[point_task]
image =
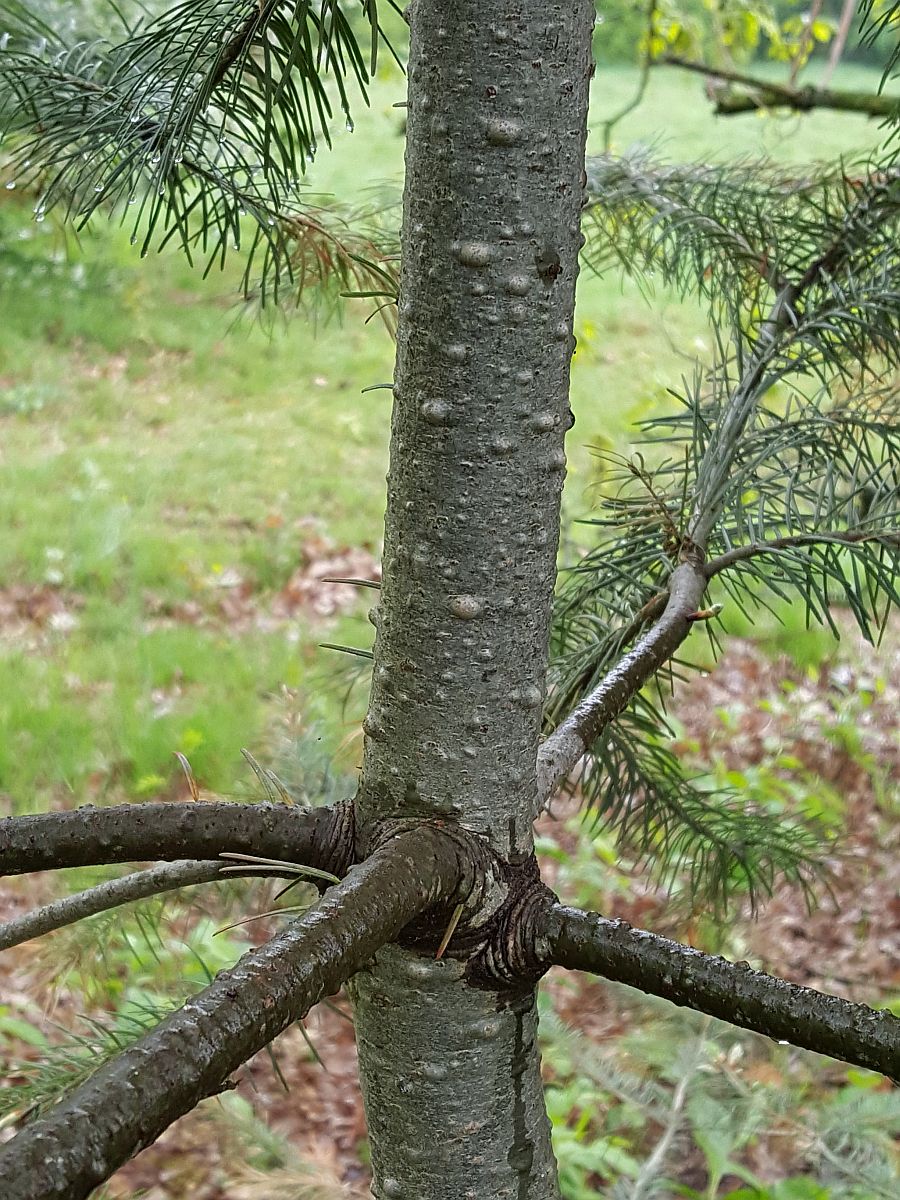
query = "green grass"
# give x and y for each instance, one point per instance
(154, 439)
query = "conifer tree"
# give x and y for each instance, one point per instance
(491, 687)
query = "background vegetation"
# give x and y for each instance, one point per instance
(178, 481)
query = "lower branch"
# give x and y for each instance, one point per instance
(165, 877)
(128, 1103)
(322, 837)
(730, 991)
(762, 93)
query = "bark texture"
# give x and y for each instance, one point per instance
(491, 233)
(481, 1074)
(490, 242)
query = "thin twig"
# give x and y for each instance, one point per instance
(805, 41)
(840, 42)
(643, 79)
(166, 877)
(837, 537)
(654, 1164)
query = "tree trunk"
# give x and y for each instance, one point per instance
(491, 234)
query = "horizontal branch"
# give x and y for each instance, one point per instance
(165, 877)
(321, 837)
(763, 93)
(732, 992)
(797, 541)
(567, 745)
(189, 1056)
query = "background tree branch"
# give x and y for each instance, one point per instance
(732, 992)
(763, 93)
(128, 1103)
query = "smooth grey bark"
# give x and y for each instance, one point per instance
(475, 1075)
(491, 234)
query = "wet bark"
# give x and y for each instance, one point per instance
(491, 234)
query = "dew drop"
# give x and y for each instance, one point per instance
(10, 185)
